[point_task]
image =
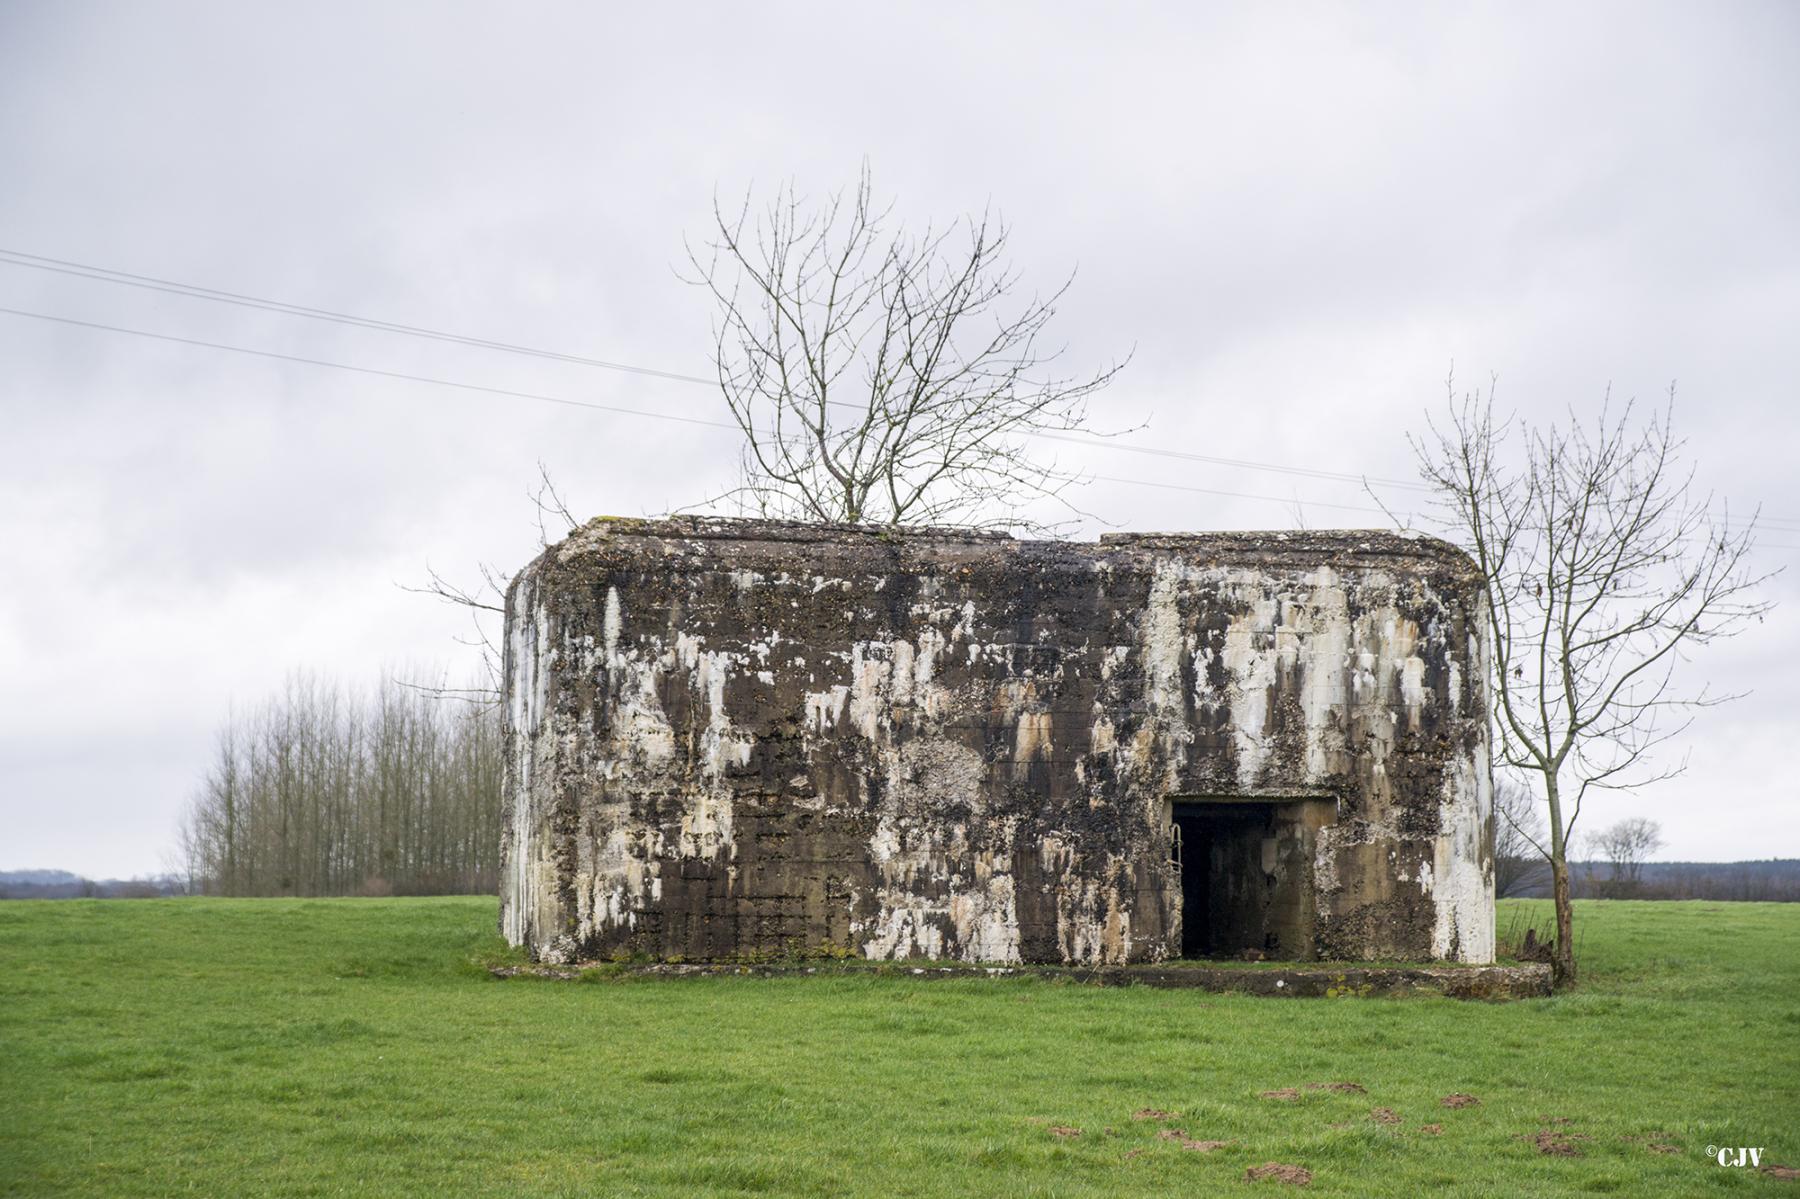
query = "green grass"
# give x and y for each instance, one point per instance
(334, 1047)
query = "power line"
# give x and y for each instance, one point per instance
(370, 370)
(216, 295)
(195, 291)
(613, 408)
(102, 274)
(1291, 501)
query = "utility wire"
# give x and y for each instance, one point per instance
(370, 370)
(193, 291)
(1291, 501)
(623, 411)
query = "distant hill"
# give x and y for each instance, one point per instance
(63, 884)
(42, 878)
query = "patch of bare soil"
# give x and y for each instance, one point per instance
(1276, 1172)
(1285, 1094)
(1662, 1147)
(1063, 1132)
(1784, 1173)
(1432, 1130)
(1154, 1113)
(1341, 1088)
(1180, 1137)
(1460, 1100)
(1384, 1115)
(1556, 1143)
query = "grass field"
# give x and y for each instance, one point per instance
(240, 1047)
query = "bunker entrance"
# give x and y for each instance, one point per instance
(1245, 868)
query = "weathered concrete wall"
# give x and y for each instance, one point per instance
(728, 738)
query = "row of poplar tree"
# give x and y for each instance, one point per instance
(328, 790)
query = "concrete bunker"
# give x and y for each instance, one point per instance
(731, 739)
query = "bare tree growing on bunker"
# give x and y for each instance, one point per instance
(885, 376)
(1604, 570)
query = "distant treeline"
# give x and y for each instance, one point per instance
(329, 791)
(1772, 880)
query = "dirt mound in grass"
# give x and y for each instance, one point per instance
(1154, 1113)
(1276, 1172)
(1553, 1142)
(1460, 1100)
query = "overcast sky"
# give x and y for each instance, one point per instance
(1299, 216)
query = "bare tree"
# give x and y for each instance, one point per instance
(1520, 859)
(1604, 569)
(881, 376)
(324, 790)
(1627, 845)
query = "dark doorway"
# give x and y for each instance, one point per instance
(1191, 852)
(1222, 880)
(1246, 874)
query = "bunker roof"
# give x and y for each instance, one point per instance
(1403, 550)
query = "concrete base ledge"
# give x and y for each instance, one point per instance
(1304, 981)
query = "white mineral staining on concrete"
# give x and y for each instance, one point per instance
(871, 688)
(986, 919)
(530, 877)
(612, 623)
(721, 745)
(905, 929)
(1163, 646)
(1464, 873)
(1249, 659)
(1092, 923)
(825, 708)
(1412, 688)
(915, 843)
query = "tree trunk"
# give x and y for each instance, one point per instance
(1562, 954)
